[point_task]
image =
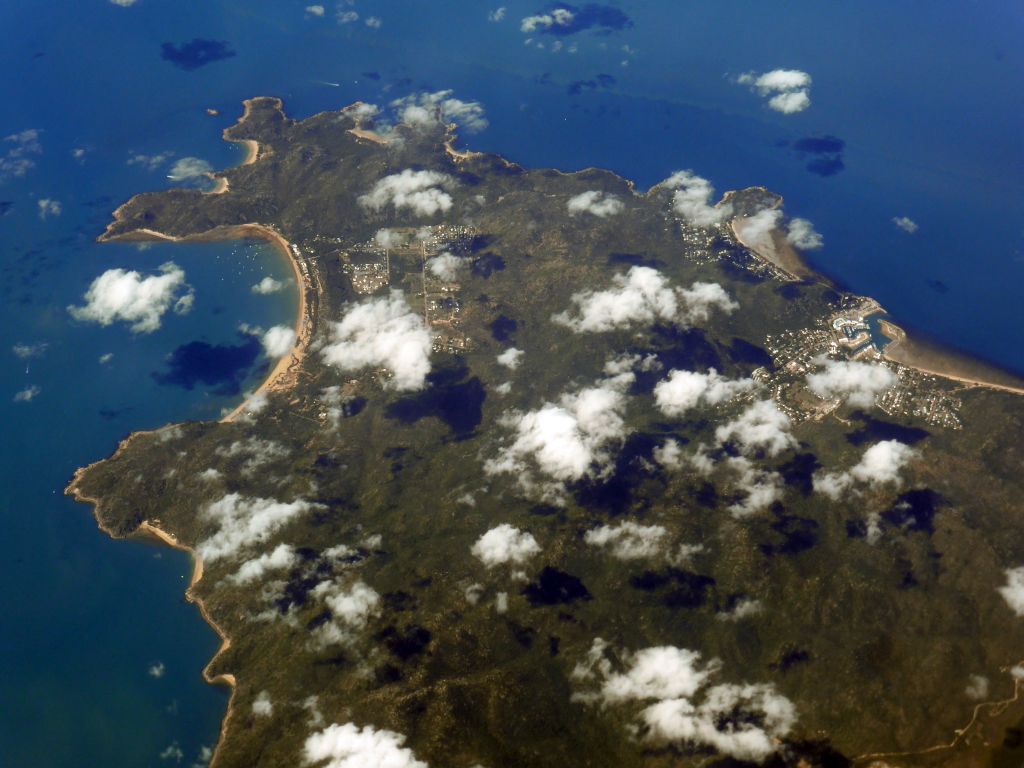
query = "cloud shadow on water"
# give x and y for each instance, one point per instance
(221, 366)
(196, 53)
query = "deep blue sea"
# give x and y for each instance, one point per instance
(915, 111)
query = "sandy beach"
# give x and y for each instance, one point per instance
(780, 254)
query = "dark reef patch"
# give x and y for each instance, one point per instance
(196, 53)
(450, 396)
(222, 366)
(555, 587)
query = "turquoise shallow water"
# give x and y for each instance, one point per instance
(922, 97)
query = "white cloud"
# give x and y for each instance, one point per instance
(156, 669)
(124, 295)
(106, 357)
(348, 746)
(565, 441)
(498, 14)
(757, 230)
(283, 556)
(351, 606)
(124, 3)
(48, 207)
(669, 454)
(744, 721)
(267, 285)
(262, 706)
(387, 238)
(596, 203)
(188, 168)
(880, 465)
(789, 89)
(683, 390)
(559, 17)
(28, 351)
(17, 161)
(977, 687)
(315, 10)
(692, 199)
(629, 540)
(503, 545)
(905, 223)
(149, 162)
(744, 608)
(511, 357)
(243, 522)
(643, 295)
(279, 340)
(802, 235)
(762, 426)
(173, 750)
(856, 382)
(383, 332)
(1013, 591)
(374, 22)
(347, 17)
(761, 488)
(429, 110)
(446, 266)
(422, 192)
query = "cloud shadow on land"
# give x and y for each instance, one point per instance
(221, 366)
(450, 396)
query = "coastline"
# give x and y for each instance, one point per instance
(146, 529)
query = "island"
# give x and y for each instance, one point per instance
(562, 473)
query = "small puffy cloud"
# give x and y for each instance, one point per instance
(351, 606)
(761, 427)
(743, 721)
(149, 162)
(802, 235)
(629, 540)
(498, 14)
(374, 22)
(347, 17)
(564, 441)
(279, 340)
(789, 89)
(257, 452)
(430, 110)
(858, 383)
(446, 266)
(387, 238)
(19, 157)
(262, 706)
(422, 192)
(880, 465)
(243, 522)
(1013, 591)
(744, 608)
(596, 203)
(511, 357)
(757, 230)
(106, 357)
(348, 746)
(505, 545)
(189, 168)
(977, 687)
(315, 10)
(559, 17)
(683, 390)
(28, 351)
(124, 3)
(382, 332)
(127, 296)
(905, 223)
(643, 296)
(156, 669)
(267, 285)
(692, 199)
(283, 556)
(173, 750)
(48, 207)
(669, 454)
(760, 488)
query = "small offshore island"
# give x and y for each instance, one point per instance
(562, 474)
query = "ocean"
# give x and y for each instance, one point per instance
(915, 112)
